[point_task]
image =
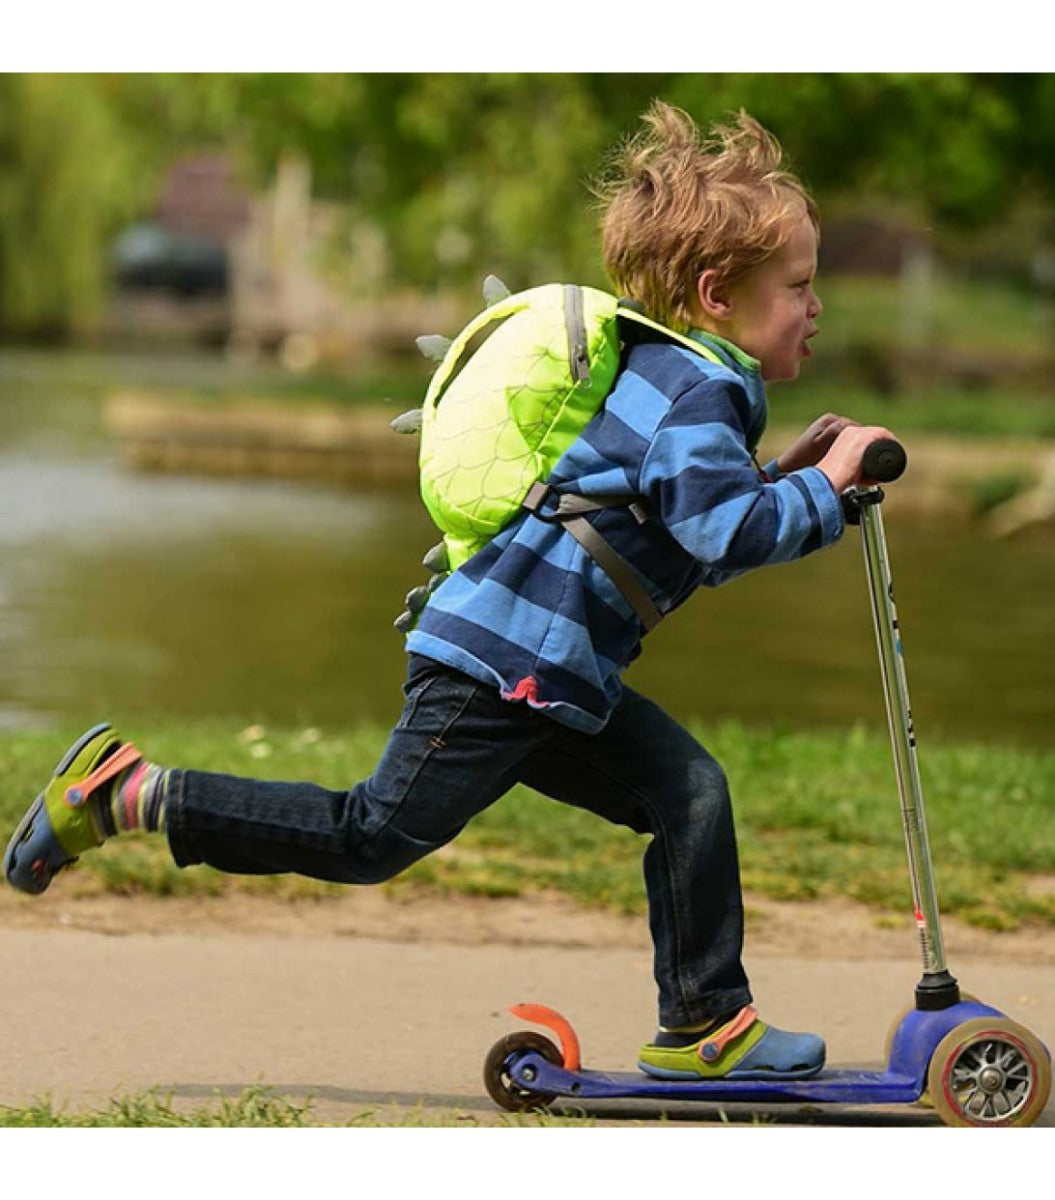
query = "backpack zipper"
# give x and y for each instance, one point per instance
(575, 328)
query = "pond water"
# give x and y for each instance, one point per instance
(124, 594)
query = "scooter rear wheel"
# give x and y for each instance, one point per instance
(498, 1078)
(989, 1072)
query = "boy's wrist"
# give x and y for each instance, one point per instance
(827, 498)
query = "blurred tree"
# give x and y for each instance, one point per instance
(500, 166)
(469, 173)
(943, 145)
(67, 180)
(464, 173)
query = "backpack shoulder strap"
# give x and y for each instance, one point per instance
(571, 513)
(636, 327)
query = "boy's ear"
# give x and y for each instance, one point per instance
(712, 293)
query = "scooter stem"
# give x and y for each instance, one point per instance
(937, 989)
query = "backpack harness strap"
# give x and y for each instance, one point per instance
(570, 512)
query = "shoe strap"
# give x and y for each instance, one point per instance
(711, 1047)
(122, 758)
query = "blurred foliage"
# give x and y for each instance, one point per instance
(68, 176)
(470, 173)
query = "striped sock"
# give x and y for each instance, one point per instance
(136, 801)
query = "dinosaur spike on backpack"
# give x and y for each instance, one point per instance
(437, 560)
(408, 422)
(433, 345)
(494, 290)
(405, 621)
(416, 598)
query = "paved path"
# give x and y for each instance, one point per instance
(364, 1024)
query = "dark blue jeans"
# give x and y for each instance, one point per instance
(456, 749)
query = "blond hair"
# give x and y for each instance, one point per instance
(675, 204)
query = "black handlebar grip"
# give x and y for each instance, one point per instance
(884, 460)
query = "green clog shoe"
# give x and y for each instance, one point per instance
(60, 825)
(743, 1048)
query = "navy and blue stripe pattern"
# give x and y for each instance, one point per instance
(534, 615)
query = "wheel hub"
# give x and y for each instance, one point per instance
(992, 1080)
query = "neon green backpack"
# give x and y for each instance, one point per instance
(511, 393)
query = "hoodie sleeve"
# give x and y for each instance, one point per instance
(702, 481)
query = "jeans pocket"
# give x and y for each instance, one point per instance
(414, 691)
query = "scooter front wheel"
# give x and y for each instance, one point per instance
(498, 1079)
(989, 1072)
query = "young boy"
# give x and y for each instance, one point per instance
(515, 663)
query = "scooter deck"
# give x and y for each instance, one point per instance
(535, 1073)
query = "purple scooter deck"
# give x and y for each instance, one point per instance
(835, 1086)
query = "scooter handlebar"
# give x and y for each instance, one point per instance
(884, 460)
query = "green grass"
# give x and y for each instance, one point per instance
(90, 375)
(257, 1107)
(817, 817)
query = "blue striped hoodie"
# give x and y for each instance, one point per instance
(534, 615)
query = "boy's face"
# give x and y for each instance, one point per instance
(771, 312)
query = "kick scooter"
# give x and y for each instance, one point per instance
(978, 1066)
